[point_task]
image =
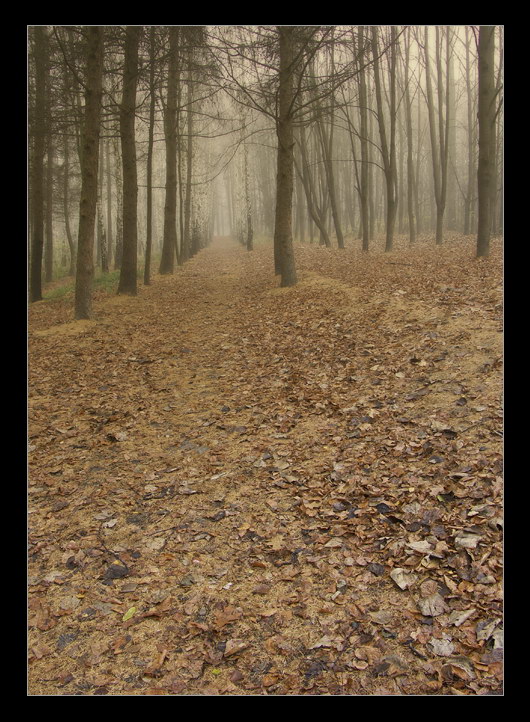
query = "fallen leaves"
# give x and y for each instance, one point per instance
(298, 491)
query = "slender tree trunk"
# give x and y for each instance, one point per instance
(326, 142)
(388, 152)
(37, 169)
(48, 256)
(283, 238)
(248, 201)
(417, 175)
(102, 234)
(439, 147)
(118, 172)
(410, 156)
(109, 206)
(66, 205)
(497, 154)
(308, 183)
(451, 144)
(486, 120)
(469, 197)
(150, 144)
(170, 132)
(363, 112)
(129, 264)
(186, 241)
(89, 174)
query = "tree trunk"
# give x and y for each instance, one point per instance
(410, 158)
(102, 234)
(66, 204)
(167, 260)
(486, 120)
(388, 152)
(48, 256)
(118, 172)
(89, 174)
(37, 169)
(308, 183)
(248, 201)
(109, 205)
(283, 239)
(439, 146)
(363, 111)
(129, 262)
(150, 144)
(186, 241)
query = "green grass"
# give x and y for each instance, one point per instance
(103, 281)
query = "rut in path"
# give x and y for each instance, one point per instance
(240, 464)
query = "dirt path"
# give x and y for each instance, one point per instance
(224, 475)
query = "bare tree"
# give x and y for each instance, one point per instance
(37, 166)
(486, 121)
(169, 243)
(89, 173)
(283, 236)
(150, 144)
(411, 179)
(439, 135)
(388, 145)
(129, 262)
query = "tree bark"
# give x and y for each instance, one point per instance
(439, 145)
(102, 233)
(248, 202)
(66, 205)
(118, 171)
(150, 144)
(486, 120)
(37, 169)
(89, 174)
(308, 183)
(48, 256)
(388, 151)
(410, 157)
(109, 205)
(283, 238)
(167, 260)
(363, 111)
(186, 240)
(129, 263)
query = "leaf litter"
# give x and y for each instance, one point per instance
(236, 489)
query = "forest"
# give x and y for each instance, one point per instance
(265, 343)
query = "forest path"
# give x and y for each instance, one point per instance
(224, 474)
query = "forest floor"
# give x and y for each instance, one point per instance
(239, 489)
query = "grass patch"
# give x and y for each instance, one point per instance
(107, 282)
(59, 292)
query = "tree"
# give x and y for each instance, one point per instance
(326, 139)
(37, 166)
(129, 261)
(388, 147)
(169, 243)
(439, 136)
(363, 111)
(470, 193)
(486, 121)
(150, 144)
(89, 173)
(283, 236)
(411, 180)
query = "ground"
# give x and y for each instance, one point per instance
(239, 489)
